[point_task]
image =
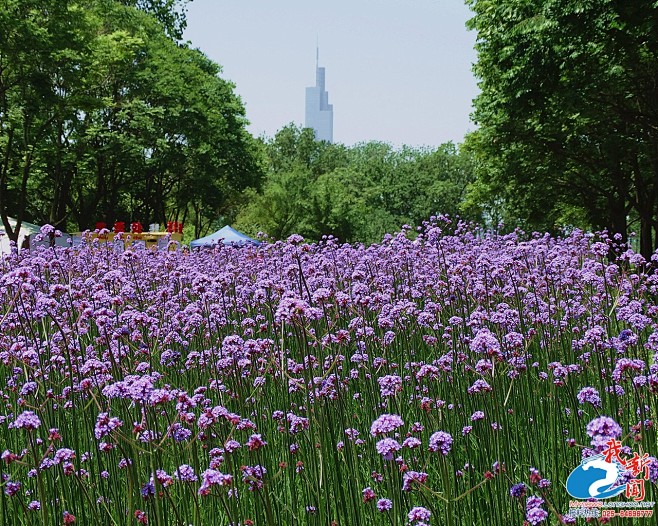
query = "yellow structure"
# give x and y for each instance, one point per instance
(150, 239)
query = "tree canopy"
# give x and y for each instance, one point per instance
(568, 112)
(105, 116)
(355, 193)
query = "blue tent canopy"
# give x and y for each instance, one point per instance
(225, 235)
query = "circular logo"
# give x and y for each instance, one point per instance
(595, 478)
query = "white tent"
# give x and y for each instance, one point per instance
(225, 235)
(27, 230)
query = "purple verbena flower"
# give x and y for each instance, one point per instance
(441, 442)
(385, 424)
(413, 478)
(419, 514)
(26, 420)
(602, 429)
(479, 386)
(389, 385)
(536, 515)
(411, 442)
(105, 425)
(589, 395)
(387, 446)
(185, 473)
(478, 415)
(518, 490)
(212, 477)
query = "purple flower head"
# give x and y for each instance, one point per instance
(440, 441)
(351, 433)
(180, 433)
(413, 478)
(384, 505)
(626, 364)
(11, 488)
(105, 425)
(46, 230)
(417, 427)
(589, 395)
(485, 342)
(478, 415)
(625, 335)
(602, 429)
(255, 442)
(534, 502)
(185, 473)
(411, 442)
(389, 385)
(385, 424)
(148, 490)
(26, 420)
(253, 476)
(368, 494)
(297, 423)
(387, 446)
(544, 484)
(212, 477)
(63, 454)
(232, 445)
(295, 239)
(536, 515)
(163, 477)
(291, 309)
(29, 388)
(653, 470)
(419, 514)
(479, 386)
(518, 490)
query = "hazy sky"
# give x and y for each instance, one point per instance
(397, 70)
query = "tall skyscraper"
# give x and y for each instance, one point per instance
(319, 113)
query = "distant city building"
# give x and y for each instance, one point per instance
(319, 113)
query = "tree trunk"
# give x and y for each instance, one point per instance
(4, 174)
(646, 235)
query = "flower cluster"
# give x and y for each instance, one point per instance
(302, 382)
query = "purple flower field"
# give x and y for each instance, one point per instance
(454, 379)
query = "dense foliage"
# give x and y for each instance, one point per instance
(104, 117)
(356, 193)
(568, 112)
(458, 377)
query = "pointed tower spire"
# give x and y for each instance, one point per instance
(319, 113)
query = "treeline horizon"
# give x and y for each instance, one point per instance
(106, 115)
(354, 193)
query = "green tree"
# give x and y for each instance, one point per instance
(38, 44)
(169, 13)
(288, 200)
(355, 194)
(103, 116)
(280, 207)
(568, 111)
